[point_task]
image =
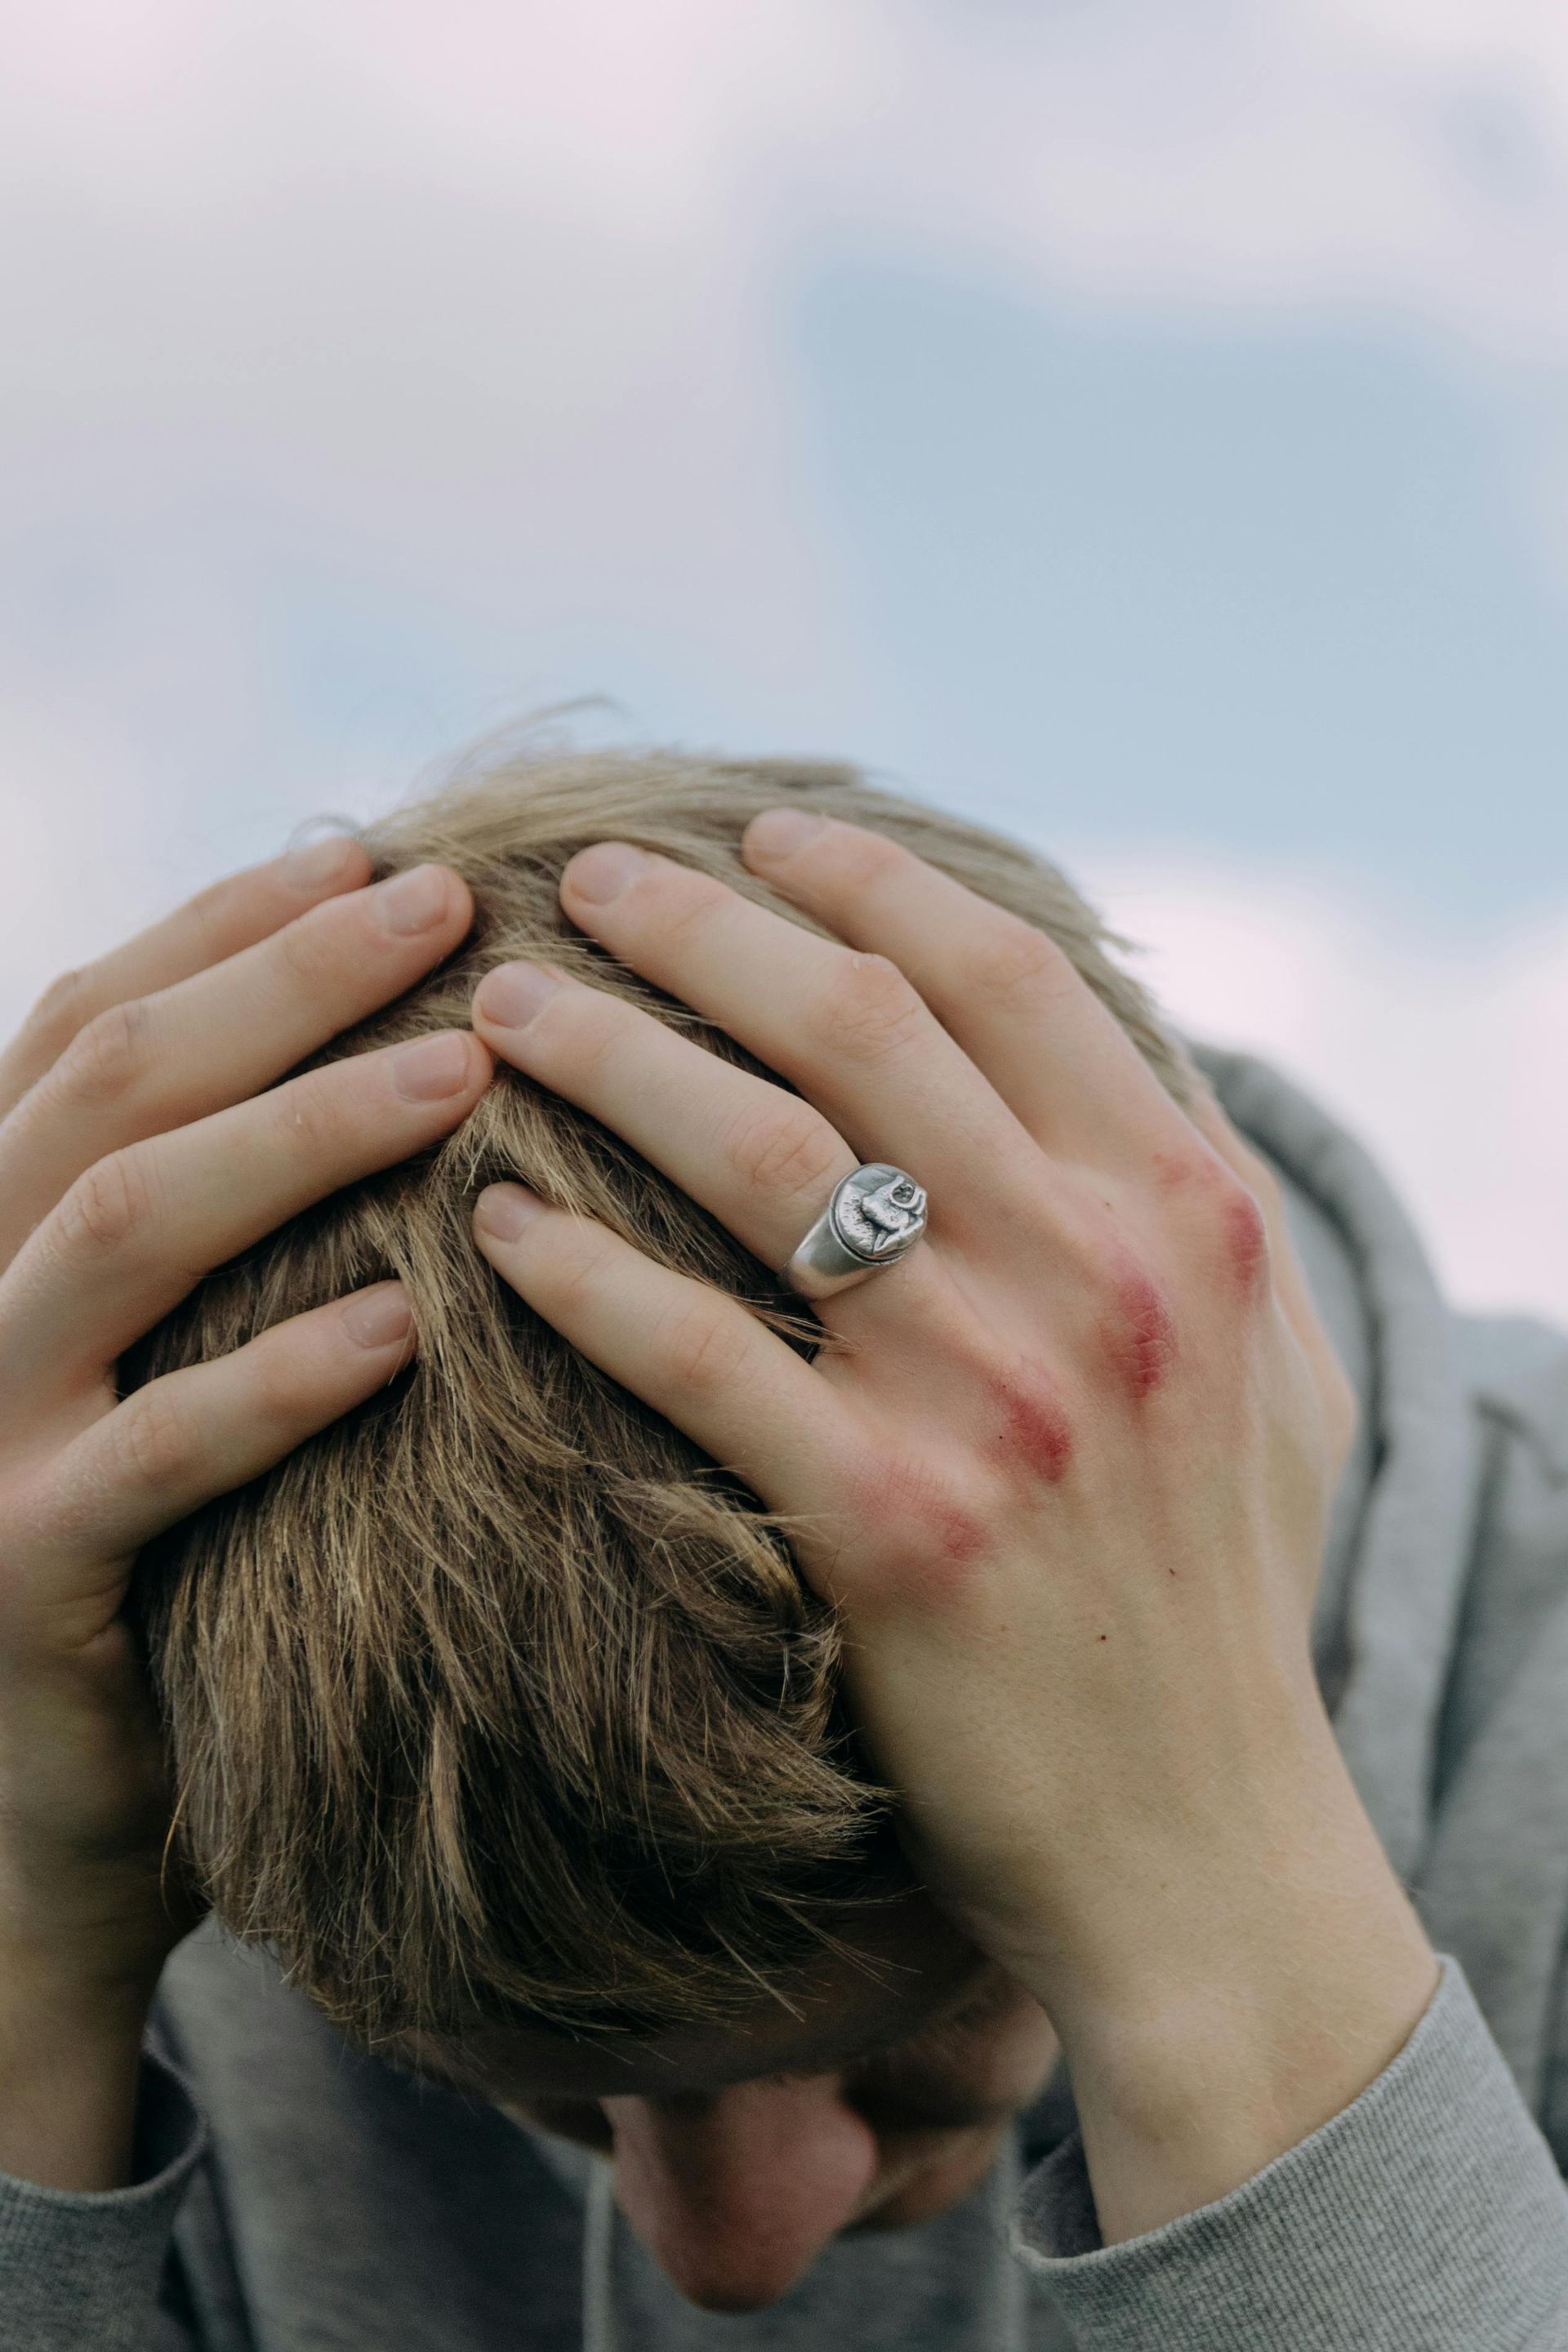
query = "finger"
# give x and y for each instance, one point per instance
(200, 1433)
(154, 1062)
(848, 1030)
(1009, 994)
(232, 915)
(692, 1353)
(761, 1159)
(136, 1233)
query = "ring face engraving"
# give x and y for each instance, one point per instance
(878, 1212)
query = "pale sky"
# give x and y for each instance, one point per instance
(1143, 426)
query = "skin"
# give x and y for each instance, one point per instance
(133, 1156)
(1066, 1483)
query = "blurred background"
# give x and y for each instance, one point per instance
(1143, 426)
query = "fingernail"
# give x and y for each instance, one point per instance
(603, 872)
(433, 1067)
(513, 994)
(379, 1318)
(504, 1210)
(414, 901)
(779, 832)
(316, 862)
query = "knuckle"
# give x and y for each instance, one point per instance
(314, 948)
(1011, 960)
(863, 859)
(108, 1056)
(686, 901)
(701, 1348)
(1211, 1199)
(1139, 1333)
(868, 1009)
(587, 1037)
(1182, 1173)
(159, 1441)
(275, 1379)
(211, 913)
(64, 1007)
(785, 1150)
(577, 1263)
(309, 1114)
(1243, 1233)
(1231, 1196)
(212, 900)
(933, 1523)
(108, 1207)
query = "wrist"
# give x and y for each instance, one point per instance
(1253, 1997)
(1176, 2117)
(71, 2066)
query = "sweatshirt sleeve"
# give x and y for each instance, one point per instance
(1428, 2216)
(80, 2271)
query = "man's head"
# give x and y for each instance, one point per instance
(496, 1710)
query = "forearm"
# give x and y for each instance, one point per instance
(1265, 1989)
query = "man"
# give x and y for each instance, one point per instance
(498, 1624)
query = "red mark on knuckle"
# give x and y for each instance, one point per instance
(1245, 1241)
(1035, 1434)
(933, 1559)
(1139, 1337)
(927, 1541)
(960, 1535)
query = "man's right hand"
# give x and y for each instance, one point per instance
(143, 1142)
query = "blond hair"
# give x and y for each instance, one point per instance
(497, 1701)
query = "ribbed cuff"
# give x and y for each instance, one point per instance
(79, 2269)
(1428, 2216)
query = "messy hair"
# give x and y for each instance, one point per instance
(498, 1701)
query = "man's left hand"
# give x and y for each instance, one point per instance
(1064, 1470)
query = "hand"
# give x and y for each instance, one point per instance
(1065, 1474)
(138, 1150)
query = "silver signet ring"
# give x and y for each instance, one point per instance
(876, 1216)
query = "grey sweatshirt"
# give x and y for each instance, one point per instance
(292, 2196)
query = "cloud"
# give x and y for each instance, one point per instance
(390, 278)
(1326, 151)
(471, 323)
(1416, 151)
